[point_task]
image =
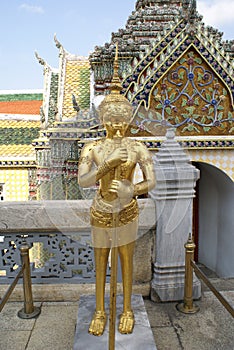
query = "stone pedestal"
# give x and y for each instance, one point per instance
(173, 196)
(141, 338)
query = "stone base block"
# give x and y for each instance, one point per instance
(141, 338)
(173, 292)
(168, 283)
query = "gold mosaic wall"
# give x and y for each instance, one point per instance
(220, 158)
(15, 184)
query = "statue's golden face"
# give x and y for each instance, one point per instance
(116, 116)
(116, 113)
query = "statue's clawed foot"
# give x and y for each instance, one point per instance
(98, 323)
(126, 323)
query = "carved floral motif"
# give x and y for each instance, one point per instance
(191, 98)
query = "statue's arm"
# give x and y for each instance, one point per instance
(146, 164)
(86, 172)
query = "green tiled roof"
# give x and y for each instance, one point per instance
(17, 136)
(21, 97)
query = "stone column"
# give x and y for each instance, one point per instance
(173, 195)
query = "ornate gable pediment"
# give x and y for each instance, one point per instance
(186, 81)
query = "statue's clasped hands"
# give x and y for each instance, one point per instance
(122, 188)
(117, 157)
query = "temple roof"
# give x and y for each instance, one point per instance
(19, 124)
(143, 25)
(169, 48)
(150, 19)
(149, 3)
(21, 107)
(10, 152)
(172, 65)
(159, 40)
(187, 79)
(20, 102)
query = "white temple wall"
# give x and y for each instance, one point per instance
(208, 220)
(216, 221)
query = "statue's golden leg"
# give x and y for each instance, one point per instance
(126, 322)
(98, 322)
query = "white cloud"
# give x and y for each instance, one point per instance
(216, 12)
(32, 8)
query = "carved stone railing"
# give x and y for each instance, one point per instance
(59, 233)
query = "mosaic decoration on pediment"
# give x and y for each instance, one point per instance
(189, 90)
(193, 99)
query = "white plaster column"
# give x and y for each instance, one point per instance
(173, 196)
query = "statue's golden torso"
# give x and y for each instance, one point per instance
(124, 171)
(105, 201)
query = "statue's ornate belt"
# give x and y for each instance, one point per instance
(102, 213)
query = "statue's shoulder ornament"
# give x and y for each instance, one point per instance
(87, 152)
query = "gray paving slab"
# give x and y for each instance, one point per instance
(52, 338)
(210, 329)
(9, 321)
(55, 327)
(141, 338)
(166, 338)
(229, 296)
(157, 313)
(14, 340)
(221, 284)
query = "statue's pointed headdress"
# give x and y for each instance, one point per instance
(115, 86)
(115, 97)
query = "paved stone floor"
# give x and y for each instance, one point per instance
(212, 328)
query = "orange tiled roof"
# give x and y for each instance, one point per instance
(20, 107)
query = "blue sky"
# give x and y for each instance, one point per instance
(29, 25)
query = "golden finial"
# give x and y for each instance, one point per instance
(115, 85)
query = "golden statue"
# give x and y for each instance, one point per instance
(112, 162)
